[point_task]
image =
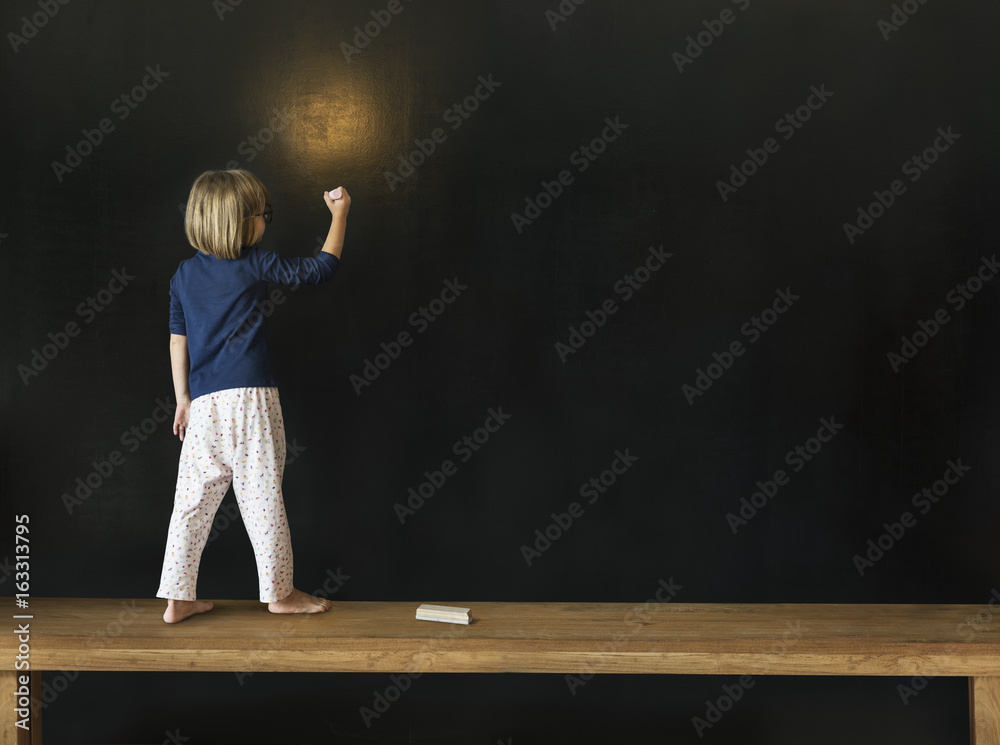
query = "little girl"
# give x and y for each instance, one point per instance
(227, 400)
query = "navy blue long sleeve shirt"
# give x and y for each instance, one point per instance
(221, 306)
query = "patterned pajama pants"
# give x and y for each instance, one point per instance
(234, 436)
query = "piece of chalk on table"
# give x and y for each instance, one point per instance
(336, 194)
(443, 613)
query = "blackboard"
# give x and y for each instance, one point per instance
(700, 293)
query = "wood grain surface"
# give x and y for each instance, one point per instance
(680, 638)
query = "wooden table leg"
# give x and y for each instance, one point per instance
(984, 710)
(11, 711)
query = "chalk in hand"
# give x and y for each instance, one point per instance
(336, 194)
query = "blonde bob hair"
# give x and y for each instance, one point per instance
(220, 210)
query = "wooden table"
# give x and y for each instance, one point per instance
(568, 638)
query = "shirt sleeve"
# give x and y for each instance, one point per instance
(294, 271)
(177, 325)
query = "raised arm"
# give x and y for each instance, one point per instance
(338, 224)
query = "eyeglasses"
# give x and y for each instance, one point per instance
(266, 214)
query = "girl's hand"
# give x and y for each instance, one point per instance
(181, 415)
(338, 207)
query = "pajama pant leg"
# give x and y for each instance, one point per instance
(258, 467)
(203, 478)
(237, 436)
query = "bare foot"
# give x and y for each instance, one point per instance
(299, 602)
(178, 610)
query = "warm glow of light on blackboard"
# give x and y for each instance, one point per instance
(337, 123)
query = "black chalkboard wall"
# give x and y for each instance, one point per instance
(742, 252)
